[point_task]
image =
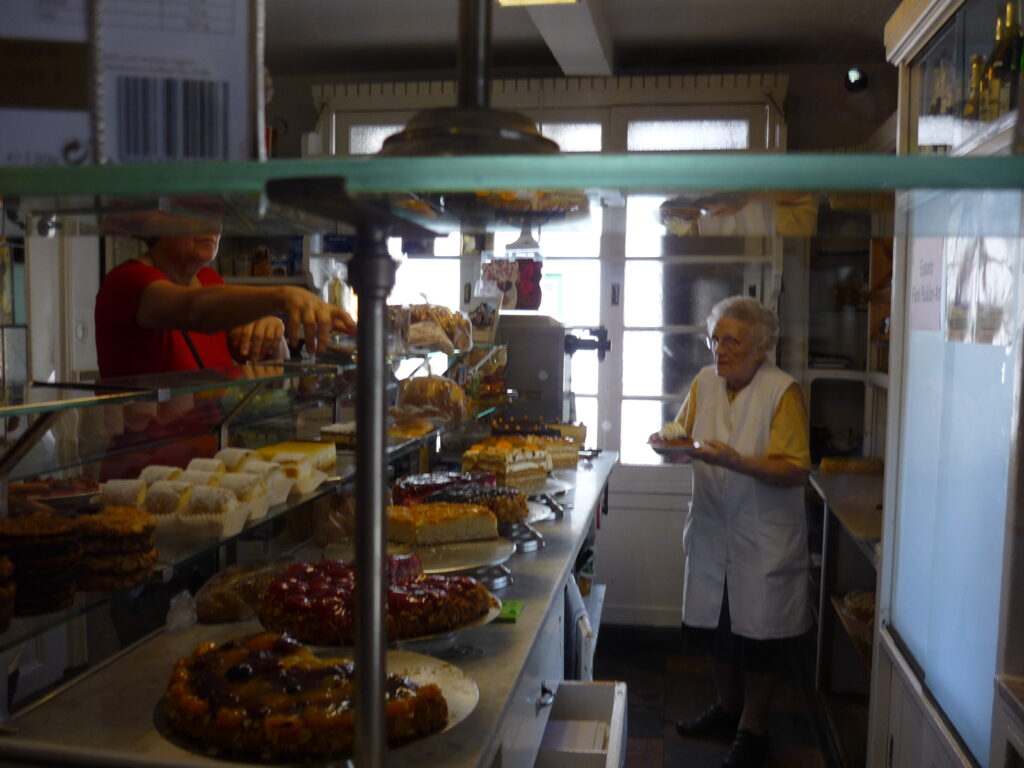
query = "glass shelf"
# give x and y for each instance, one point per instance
(175, 552)
(27, 399)
(235, 193)
(42, 397)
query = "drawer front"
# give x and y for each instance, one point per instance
(569, 743)
(532, 700)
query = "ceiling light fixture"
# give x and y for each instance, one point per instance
(472, 127)
(856, 80)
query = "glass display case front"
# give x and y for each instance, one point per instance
(769, 196)
(965, 82)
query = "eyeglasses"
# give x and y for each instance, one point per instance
(728, 343)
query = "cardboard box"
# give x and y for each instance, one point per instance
(92, 81)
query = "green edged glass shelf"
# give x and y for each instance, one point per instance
(443, 193)
(41, 397)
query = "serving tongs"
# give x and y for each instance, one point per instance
(549, 501)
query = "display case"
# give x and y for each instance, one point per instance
(512, 667)
(963, 69)
(935, 670)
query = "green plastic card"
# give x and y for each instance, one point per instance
(510, 610)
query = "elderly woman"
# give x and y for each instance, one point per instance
(168, 311)
(745, 590)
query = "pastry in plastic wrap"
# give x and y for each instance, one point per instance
(455, 325)
(434, 394)
(334, 518)
(234, 593)
(431, 337)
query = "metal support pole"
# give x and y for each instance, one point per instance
(372, 273)
(474, 53)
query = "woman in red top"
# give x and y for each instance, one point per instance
(149, 309)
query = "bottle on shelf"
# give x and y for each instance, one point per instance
(972, 107)
(992, 75)
(1013, 40)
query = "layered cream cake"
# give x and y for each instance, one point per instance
(564, 452)
(323, 455)
(440, 523)
(524, 467)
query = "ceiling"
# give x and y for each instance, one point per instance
(373, 39)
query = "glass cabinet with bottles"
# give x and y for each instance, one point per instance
(964, 84)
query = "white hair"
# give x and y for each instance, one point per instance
(763, 321)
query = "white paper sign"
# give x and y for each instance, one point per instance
(926, 284)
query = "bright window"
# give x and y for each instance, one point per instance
(574, 137)
(432, 278)
(687, 135)
(368, 139)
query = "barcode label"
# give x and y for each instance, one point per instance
(172, 119)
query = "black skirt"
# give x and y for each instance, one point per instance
(724, 645)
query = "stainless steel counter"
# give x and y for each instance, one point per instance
(107, 718)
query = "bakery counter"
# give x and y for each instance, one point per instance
(176, 550)
(109, 716)
(851, 530)
(856, 502)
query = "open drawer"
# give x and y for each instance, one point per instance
(586, 728)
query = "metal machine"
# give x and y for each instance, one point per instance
(540, 353)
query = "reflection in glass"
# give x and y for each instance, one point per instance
(644, 229)
(584, 372)
(571, 290)
(656, 364)
(579, 240)
(692, 290)
(586, 413)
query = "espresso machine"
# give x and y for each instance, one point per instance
(539, 367)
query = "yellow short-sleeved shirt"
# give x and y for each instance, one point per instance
(788, 438)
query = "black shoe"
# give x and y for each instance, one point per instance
(713, 721)
(748, 750)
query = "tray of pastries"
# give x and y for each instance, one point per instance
(315, 602)
(266, 696)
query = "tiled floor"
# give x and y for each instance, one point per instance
(665, 684)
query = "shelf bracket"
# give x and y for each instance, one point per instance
(19, 449)
(224, 427)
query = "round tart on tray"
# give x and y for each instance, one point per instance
(266, 695)
(315, 602)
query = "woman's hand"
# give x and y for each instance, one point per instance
(317, 318)
(258, 340)
(717, 454)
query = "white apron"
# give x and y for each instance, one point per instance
(741, 531)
